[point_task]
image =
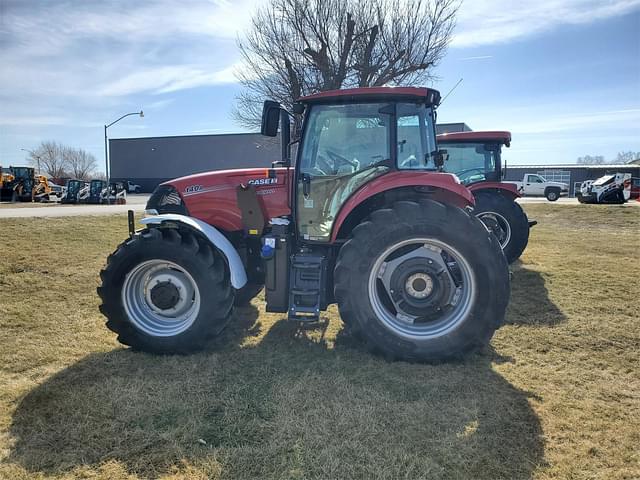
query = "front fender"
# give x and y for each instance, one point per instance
(217, 239)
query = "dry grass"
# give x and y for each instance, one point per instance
(556, 396)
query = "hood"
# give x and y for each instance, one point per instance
(222, 178)
(557, 184)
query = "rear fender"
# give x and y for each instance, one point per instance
(508, 189)
(213, 235)
(443, 187)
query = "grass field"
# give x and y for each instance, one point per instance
(557, 395)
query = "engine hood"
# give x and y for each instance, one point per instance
(202, 182)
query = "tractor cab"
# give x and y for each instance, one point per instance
(475, 156)
(98, 191)
(349, 138)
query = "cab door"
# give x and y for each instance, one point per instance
(344, 147)
(534, 185)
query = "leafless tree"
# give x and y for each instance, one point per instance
(626, 157)
(52, 161)
(58, 160)
(590, 160)
(80, 163)
(298, 47)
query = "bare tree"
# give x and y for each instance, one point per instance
(590, 160)
(626, 157)
(299, 47)
(81, 164)
(52, 160)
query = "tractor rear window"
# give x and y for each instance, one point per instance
(471, 162)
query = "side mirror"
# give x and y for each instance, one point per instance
(270, 118)
(441, 156)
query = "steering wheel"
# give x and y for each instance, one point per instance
(340, 160)
(465, 174)
(322, 166)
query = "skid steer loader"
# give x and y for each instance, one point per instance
(610, 188)
(364, 218)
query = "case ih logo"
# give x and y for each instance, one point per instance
(193, 189)
(262, 181)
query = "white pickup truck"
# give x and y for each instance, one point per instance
(533, 185)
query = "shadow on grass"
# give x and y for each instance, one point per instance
(530, 303)
(290, 406)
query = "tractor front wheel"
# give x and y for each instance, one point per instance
(422, 282)
(166, 291)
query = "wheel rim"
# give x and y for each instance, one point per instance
(160, 298)
(552, 195)
(421, 288)
(498, 225)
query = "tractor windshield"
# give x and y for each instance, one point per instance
(472, 162)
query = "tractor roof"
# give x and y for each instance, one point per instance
(489, 136)
(428, 95)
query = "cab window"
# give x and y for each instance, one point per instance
(471, 162)
(416, 144)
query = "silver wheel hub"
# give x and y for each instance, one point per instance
(419, 285)
(421, 288)
(498, 225)
(160, 298)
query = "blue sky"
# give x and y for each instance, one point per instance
(562, 75)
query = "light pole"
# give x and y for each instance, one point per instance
(34, 155)
(106, 147)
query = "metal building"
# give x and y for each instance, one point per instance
(153, 160)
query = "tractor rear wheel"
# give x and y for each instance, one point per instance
(422, 282)
(166, 291)
(506, 220)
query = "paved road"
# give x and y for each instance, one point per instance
(138, 202)
(134, 202)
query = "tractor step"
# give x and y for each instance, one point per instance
(307, 287)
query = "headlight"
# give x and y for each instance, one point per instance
(166, 199)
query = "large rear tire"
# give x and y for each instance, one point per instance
(422, 282)
(166, 291)
(506, 220)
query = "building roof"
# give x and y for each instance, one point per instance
(564, 166)
(374, 93)
(491, 136)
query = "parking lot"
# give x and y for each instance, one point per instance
(30, 210)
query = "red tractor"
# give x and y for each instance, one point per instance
(364, 219)
(475, 157)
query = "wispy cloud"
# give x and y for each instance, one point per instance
(479, 57)
(485, 22)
